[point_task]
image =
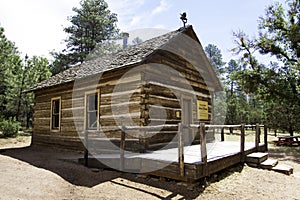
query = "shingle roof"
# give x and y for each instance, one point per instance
(133, 55)
(126, 57)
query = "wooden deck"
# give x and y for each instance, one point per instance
(186, 163)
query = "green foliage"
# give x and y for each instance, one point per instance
(92, 25)
(106, 47)
(219, 108)
(10, 127)
(10, 62)
(215, 57)
(137, 40)
(17, 76)
(278, 83)
(60, 63)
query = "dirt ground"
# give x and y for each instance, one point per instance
(41, 173)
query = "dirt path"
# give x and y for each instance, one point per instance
(40, 173)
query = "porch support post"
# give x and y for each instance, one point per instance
(86, 148)
(266, 137)
(257, 131)
(222, 135)
(180, 150)
(242, 149)
(203, 147)
(122, 149)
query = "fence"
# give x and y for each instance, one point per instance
(201, 129)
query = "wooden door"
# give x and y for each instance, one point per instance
(187, 119)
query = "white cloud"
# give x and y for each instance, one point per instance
(125, 7)
(163, 6)
(135, 14)
(128, 11)
(135, 21)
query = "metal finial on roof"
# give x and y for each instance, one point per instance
(183, 18)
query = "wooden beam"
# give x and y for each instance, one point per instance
(203, 149)
(266, 137)
(122, 149)
(257, 130)
(242, 149)
(180, 150)
(222, 135)
(223, 126)
(86, 148)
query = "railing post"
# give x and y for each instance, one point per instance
(266, 137)
(122, 148)
(257, 128)
(203, 147)
(86, 148)
(180, 150)
(222, 135)
(242, 149)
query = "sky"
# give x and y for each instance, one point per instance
(36, 26)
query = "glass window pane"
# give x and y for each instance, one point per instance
(55, 114)
(55, 106)
(92, 111)
(92, 101)
(92, 120)
(55, 121)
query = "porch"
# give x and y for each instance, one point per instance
(185, 162)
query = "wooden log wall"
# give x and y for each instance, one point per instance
(73, 108)
(166, 94)
(143, 95)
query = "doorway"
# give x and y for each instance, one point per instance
(187, 119)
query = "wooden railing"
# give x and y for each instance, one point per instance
(201, 130)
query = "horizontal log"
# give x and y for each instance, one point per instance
(42, 106)
(187, 70)
(72, 103)
(108, 100)
(120, 109)
(41, 114)
(57, 134)
(112, 121)
(164, 102)
(161, 137)
(175, 61)
(65, 143)
(178, 89)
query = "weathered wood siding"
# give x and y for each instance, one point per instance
(73, 108)
(139, 94)
(66, 137)
(167, 94)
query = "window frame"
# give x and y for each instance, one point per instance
(55, 129)
(97, 93)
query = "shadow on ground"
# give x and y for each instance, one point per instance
(64, 164)
(285, 153)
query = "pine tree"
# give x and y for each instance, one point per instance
(278, 83)
(93, 24)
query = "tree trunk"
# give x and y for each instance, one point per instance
(291, 131)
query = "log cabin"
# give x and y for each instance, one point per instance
(158, 83)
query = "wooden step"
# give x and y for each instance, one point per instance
(286, 169)
(268, 164)
(256, 158)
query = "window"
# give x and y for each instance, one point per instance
(92, 113)
(55, 113)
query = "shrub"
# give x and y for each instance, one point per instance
(10, 127)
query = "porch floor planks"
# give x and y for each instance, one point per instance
(164, 163)
(192, 154)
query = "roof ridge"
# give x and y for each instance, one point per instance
(125, 57)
